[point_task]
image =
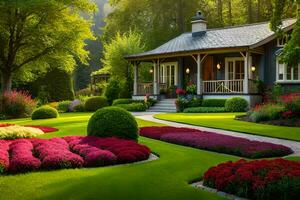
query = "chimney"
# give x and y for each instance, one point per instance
(199, 24)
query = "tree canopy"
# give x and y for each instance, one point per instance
(36, 35)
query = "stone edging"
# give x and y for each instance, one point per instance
(200, 185)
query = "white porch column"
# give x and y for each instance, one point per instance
(199, 75)
(135, 85)
(155, 77)
(246, 71)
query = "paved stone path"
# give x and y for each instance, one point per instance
(295, 146)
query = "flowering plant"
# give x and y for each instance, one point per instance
(260, 179)
(191, 88)
(180, 91)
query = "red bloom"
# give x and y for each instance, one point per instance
(180, 91)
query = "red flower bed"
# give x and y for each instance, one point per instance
(25, 155)
(45, 129)
(216, 142)
(261, 179)
(22, 160)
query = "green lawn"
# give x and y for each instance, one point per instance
(226, 121)
(163, 179)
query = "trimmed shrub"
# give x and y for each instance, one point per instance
(79, 108)
(73, 104)
(124, 101)
(63, 106)
(14, 132)
(266, 112)
(133, 107)
(113, 122)
(17, 104)
(236, 104)
(53, 105)
(205, 110)
(293, 106)
(113, 90)
(94, 103)
(214, 102)
(44, 112)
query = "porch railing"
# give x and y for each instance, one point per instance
(145, 88)
(228, 86)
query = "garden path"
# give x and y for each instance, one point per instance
(295, 146)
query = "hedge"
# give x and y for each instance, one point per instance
(205, 110)
(133, 107)
(214, 102)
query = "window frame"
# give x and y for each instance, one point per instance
(284, 80)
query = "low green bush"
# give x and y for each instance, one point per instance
(266, 112)
(113, 90)
(123, 101)
(94, 103)
(133, 107)
(183, 103)
(294, 106)
(63, 106)
(205, 110)
(113, 122)
(79, 108)
(44, 112)
(151, 102)
(214, 102)
(236, 104)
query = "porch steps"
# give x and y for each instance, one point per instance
(165, 105)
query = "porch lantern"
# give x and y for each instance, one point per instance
(187, 71)
(151, 71)
(218, 66)
(253, 68)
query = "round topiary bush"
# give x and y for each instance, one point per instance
(113, 122)
(94, 103)
(236, 104)
(44, 112)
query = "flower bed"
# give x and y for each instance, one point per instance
(26, 155)
(216, 142)
(12, 131)
(260, 179)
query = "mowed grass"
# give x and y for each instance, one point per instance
(164, 179)
(226, 121)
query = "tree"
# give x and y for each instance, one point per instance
(291, 51)
(114, 53)
(34, 34)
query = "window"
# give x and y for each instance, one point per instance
(287, 73)
(234, 68)
(283, 40)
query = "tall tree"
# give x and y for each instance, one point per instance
(291, 52)
(34, 34)
(219, 5)
(229, 15)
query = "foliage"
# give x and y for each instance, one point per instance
(266, 112)
(133, 107)
(183, 103)
(236, 104)
(17, 104)
(180, 91)
(214, 102)
(205, 110)
(103, 124)
(44, 112)
(73, 104)
(79, 108)
(53, 105)
(84, 92)
(191, 88)
(124, 101)
(259, 180)
(292, 103)
(291, 51)
(113, 58)
(35, 35)
(113, 90)
(64, 106)
(277, 92)
(94, 103)
(215, 142)
(15, 132)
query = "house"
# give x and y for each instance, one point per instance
(222, 63)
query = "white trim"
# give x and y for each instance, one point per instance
(284, 80)
(231, 59)
(165, 68)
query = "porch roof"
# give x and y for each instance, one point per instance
(246, 36)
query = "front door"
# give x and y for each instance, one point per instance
(168, 78)
(234, 69)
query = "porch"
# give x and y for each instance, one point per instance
(226, 72)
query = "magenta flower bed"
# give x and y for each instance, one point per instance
(216, 142)
(26, 155)
(22, 160)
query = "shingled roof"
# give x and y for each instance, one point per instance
(231, 37)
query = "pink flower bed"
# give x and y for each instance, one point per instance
(45, 129)
(216, 142)
(22, 159)
(26, 155)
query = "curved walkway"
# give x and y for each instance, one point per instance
(295, 146)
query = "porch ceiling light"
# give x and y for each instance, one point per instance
(151, 71)
(187, 70)
(253, 68)
(218, 66)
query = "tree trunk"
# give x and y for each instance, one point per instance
(229, 13)
(6, 81)
(249, 6)
(258, 14)
(220, 12)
